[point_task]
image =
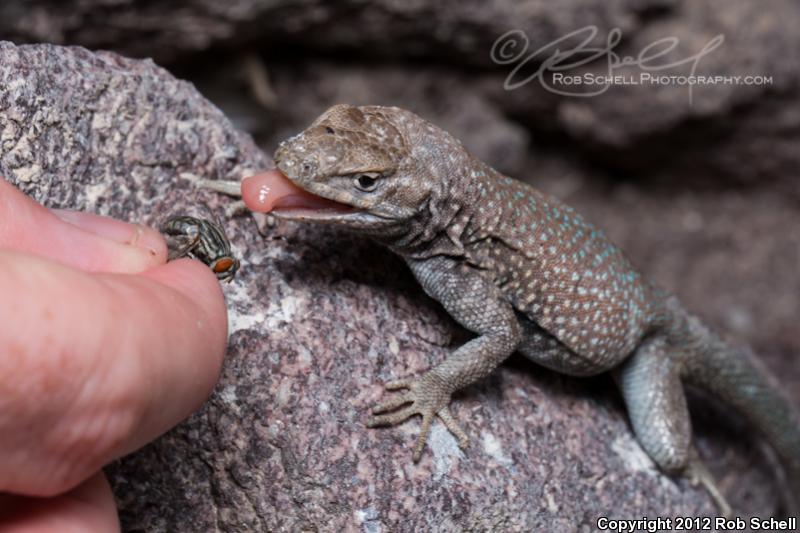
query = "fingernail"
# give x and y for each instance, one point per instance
(112, 229)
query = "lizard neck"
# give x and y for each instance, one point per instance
(447, 215)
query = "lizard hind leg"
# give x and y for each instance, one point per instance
(650, 382)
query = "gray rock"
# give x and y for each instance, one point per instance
(387, 28)
(318, 320)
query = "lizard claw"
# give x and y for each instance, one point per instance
(427, 396)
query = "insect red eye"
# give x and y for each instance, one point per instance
(223, 265)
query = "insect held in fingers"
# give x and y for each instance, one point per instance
(200, 239)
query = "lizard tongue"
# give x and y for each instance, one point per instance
(272, 191)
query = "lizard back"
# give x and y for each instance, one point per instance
(556, 268)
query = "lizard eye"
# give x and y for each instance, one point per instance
(366, 181)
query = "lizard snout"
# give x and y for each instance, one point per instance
(295, 163)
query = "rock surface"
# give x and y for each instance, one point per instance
(319, 319)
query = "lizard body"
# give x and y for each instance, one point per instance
(524, 272)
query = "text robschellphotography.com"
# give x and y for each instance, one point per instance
(702, 523)
(556, 66)
(649, 78)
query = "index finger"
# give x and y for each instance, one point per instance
(82, 240)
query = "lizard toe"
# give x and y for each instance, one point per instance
(392, 419)
(398, 384)
(427, 420)
(394, 403)
(454, 427)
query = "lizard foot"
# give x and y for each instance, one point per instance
(429, 397)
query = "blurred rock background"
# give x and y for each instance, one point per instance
(703, 194)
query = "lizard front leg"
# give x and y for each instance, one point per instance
(475, 303)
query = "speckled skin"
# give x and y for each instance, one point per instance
(523, 272)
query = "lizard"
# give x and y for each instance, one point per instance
(523, 272)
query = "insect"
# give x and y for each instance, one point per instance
(201, 239)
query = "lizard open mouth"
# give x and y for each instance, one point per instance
(272, 191)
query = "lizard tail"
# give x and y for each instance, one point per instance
(739, 379)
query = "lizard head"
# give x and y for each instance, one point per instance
(355, 157)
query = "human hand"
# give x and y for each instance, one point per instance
(103, 348)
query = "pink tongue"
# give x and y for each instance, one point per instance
(272, 191)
